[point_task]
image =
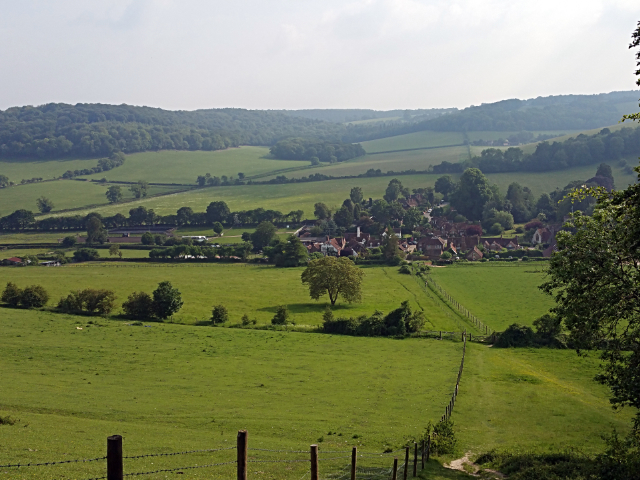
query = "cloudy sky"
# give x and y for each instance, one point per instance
(271, 54)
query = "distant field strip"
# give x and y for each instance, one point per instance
(413, 141)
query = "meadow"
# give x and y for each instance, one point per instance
(170, 388)
(425, 139)
(22, 168)
(498, 293)
(255, 290)
(65, 194)
(176, 166)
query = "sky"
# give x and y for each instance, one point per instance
(295, 54)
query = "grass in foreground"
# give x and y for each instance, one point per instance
(174, 388)
(498, 294)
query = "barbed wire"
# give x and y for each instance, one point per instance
(80, 460)
(280, 451)
(176, 469)
(178, 453)
(277, 461)
(97, 478)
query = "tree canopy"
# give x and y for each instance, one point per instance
(336, 277)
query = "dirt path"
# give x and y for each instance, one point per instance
(472, 468)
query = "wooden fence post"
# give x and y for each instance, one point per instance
(415, 459)
(422, 456)
(406, 462)
(242, 451)
(428, 447)
(395, 469)
(354, 457)
(115, 469)
(314, 462)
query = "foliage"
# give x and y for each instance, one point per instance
(334, 277)
(90, 300)
(44, 205)
(114, 250)
(321, 211)
(34, 296)
(282, 316)
(139, 306)
(217, 227)
(220, 314)
(114, 194)
(217, 212)
(85, 255)
(471, 194)
(69, 241)
(304, 149)
(405, 270)
(356, 195)
(516, 336)
(11, 294)
(147, 238)
(443, 437)
(96, 233)
(399, 322)
(290, 253)
(263, 235)
(167, 300)
(140, 189)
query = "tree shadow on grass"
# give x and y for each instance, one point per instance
(308, 308)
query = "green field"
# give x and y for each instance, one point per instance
(426, 139)
(20, 169)
(173, 388)
(252, 289)
(176, 166)
(64, 194)
(498, 294)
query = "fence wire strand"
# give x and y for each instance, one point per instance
(178, 453)
(79, 460)
(176, 469)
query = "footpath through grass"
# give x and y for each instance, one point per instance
(172, 388)
(499, 294)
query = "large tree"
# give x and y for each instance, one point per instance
(356, 195)
(472, 193)
(262, 236)
(96, 232)
(114, 194)
(334, 277)
(167, 300)
(217, 212)
(44, 204)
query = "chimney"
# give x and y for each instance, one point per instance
(358, 232)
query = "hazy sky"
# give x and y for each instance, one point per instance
(262, 54)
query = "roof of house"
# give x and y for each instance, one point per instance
(15, 259)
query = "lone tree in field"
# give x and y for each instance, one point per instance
(166, 300)
(114, 194)
(44, 205)
(334, 277)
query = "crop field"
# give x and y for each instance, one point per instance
(64, 194)
(426, 139)
(170, 388)
(174, 166)
(498, 294)
(252, 289)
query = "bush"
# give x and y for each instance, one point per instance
(245, 320)
(71, 303)
(166, 300)
(139, 305)
(399, 322)
(444, 441)
(405, 269)
(220, 314)
(34, 296)
(516, 336)
(89, 300)
(496, 229)
(85, 255)
(68, 242)
(147, 238)
(446, 255)
(281, 317)
(11, 294)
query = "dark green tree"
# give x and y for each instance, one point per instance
(114, 194)
(183, 216)
(217, 212)
(395, 190)
(96, 233)
(44, 204)
(218, 228)
(334, 277)
(282, 315)
(472, 193)
(166, 300)
(148, 238)
(4, 181)
(356, 195)
(140, 189)
(85, 255)
(34, 296)
(321, 211)
(11, 294)
(343, 217)
(445, 185)
(139, 305)
(262, 236)
(291, 253)
(220, 314)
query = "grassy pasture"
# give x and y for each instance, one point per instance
(20, 169)
(174, 166)
(172, 388)
(424, 139)
(499, 294)
(252, 289)
(65, 194)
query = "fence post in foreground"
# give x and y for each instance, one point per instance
(115, 469)
(415, 459)
(406, 463)
(428, 447)
(242, 450)
(354, 457)
(422, 456)
(395, 469)
(314, 462)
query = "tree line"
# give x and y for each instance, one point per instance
(316, 151)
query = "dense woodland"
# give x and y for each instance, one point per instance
(302, 149)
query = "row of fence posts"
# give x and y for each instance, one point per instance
(452, 402)
(461, 308)
(115, 463)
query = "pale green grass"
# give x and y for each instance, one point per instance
(419, 160)
(413, 140)
(36, 237)
(172, 388)
(373, 120)
(17, 170)
(64, 194)
(255, 290)
(499, 294)
(493, 135)
(173, 166)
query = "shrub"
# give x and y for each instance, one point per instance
(519, 230)
(405, 269)
(282, 316)
(34, 296)
(220, 314)
(446, 255)
(71, 303)
(245, 320)
(147, 239)
(444, 441)
(11, 294)
(496, 229)
(98, 301)
(85, 255)
(166, 300)
(68, 242)
(139, 305)
(516, 336)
